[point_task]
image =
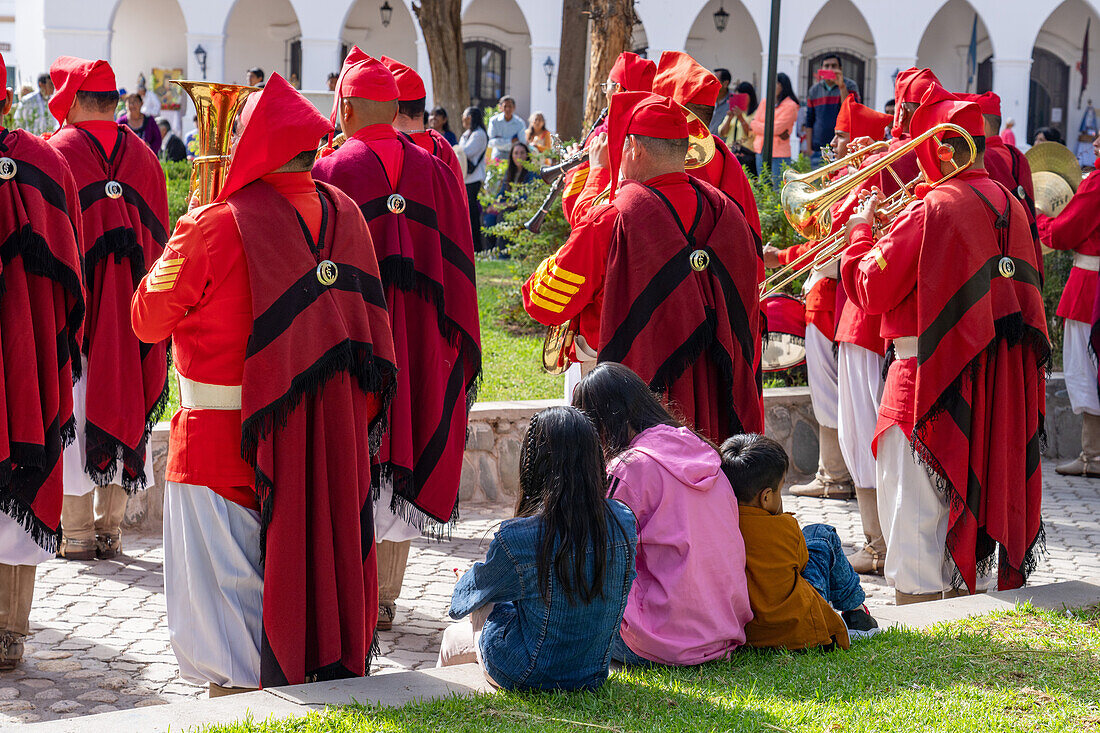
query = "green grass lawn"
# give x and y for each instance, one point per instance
(1023, 670)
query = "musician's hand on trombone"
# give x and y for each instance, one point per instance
(859, 143)
(598, 156)
(771, 256)
(866, 213)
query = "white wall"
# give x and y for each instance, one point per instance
(364, 27)
(1061, 34)
(256, 35)
(503, 23)
(147, 33)
(737, 48)
(945, 43)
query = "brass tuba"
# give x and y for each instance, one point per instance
(216, 108)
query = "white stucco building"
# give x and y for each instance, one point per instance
(1028, 49)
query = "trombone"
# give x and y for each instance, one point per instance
(808, 208)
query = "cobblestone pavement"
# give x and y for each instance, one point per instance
(100, 642)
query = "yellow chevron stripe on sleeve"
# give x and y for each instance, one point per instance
(545, 291)
(164, 275)
(562, 274)
(543, 303)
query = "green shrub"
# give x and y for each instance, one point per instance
(178, 176)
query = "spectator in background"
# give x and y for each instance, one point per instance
(505, 128)
(437, 120)
(150, 103)
(538, 137)
(191, 139)
(515, 174)
(889, 107)
(333, 77)
(736, 129)
(142, 125)
(786, 112)
(1008, 135)
(475, 143)
(1047, 134)
(722, 106)
(172, 147)
(256, 77)
(823, 105)
(33, 114)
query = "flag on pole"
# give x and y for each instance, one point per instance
(1083, 64)
(972, 56)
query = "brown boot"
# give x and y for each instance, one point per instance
(110, 507)
(1088, 463)
(961, 593)
(904, 599)
(16, 594)
(393, 557)
(78, 528)
(870, 559)
(219, 691)
(832, 480)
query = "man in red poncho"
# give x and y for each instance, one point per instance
(684, 316)
(41, 312)
(411, 97)
(1005, 163)
(421, 234)
(1077, 228)
(278, 321)
(957, 445)
(124, 203)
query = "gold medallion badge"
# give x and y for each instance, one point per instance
(327, 272)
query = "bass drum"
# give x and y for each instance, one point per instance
(785, 343)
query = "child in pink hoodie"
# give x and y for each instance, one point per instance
(690, 601)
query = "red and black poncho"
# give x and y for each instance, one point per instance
(425, 255)
(122, 237)
(41, 317)
(980, 384)
(319, 361)
(693, 335)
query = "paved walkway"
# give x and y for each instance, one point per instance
(100, 641)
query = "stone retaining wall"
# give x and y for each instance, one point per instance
(490, 466)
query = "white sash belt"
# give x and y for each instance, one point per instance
(905, 347)
(1086, 262)
(199, 396)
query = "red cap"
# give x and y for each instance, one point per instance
(363, 76)
(641, 113)
(277, 123)
(859, 120)
(632, 72)
(3, 73)
(988, 102)
(912, 84)
(71, 75)
(938, 106)
(410, 87)
(685, 80)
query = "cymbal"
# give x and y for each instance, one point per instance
(1052, 192)
(1056, 158)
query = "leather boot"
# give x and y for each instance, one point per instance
(77, 528)
(219, 691)
(16, 594)
(961, 593)
(869, 560)
(904, 599)
(832, 480)
(1088, 463)
(392, 559)
(110, 508)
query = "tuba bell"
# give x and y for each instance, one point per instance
(216, 108)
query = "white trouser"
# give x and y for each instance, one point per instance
(914, 519)
(75, 480)
(1079, 368)
(579, 369)
(213, 586)
(821, 372)
(17, 547)
(387, 525)
(859, 391)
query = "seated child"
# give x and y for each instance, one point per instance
(690, 601)
(793, 575)
(549, 597)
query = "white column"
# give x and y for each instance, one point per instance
(214, 45)
(886, 68)
(542, 98)
(1012, 82)
(320, 57)
(81, 42)
(424, 68)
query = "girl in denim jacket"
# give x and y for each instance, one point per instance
(549, 598)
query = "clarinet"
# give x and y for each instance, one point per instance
(557, 173)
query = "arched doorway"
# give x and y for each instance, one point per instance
(1048, 96)
(737, 48)
(488, 72)
(147, 35)
(498, 53)
(363, 27)
(945, 46)
(1055, 90)
(839, 29)
(263, 33)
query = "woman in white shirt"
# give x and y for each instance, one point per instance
(474, 142)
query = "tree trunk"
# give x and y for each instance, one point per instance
(610, 34)
(571, 88)
(441, 23)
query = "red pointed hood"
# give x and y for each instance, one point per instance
(632, 72)
(363, 76)
(859, 120)
(988, 102)
(938, 106)
(410, 87)
(641, 113)
(909, 86)
(685, 80)
(71, 75)
(278, 123)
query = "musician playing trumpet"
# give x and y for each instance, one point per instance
(663, 276)
(956, 280)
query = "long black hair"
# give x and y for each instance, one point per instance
(746, 87)
(562, 481)
(516, 173)
(441, 112)
(477, 118)
(786, 91)
(621, 405)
